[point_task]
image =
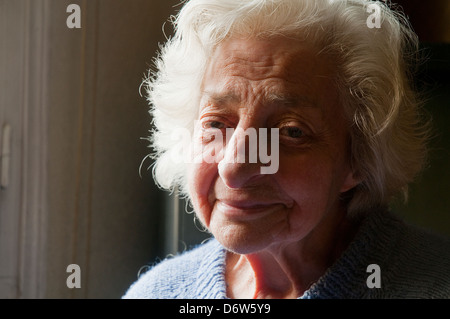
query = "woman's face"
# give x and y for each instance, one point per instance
(276, 83)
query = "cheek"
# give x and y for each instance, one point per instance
(310, 181)
(201, 177)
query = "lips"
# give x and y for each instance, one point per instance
(246, 204)
(246, 210)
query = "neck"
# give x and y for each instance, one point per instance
(287, 270)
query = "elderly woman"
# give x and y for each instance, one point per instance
(330, 80)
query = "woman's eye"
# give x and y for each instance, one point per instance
(292, 132)
(214, 125)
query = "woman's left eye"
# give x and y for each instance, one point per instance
(291, 131)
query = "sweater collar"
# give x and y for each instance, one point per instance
(211, 273)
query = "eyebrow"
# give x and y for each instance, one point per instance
(222, 98)
(272, 98)
(290, 100)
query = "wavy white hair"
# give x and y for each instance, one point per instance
(388, 141)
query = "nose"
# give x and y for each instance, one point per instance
(240, 164)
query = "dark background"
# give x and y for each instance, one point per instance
(429, 197)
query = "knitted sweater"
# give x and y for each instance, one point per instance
(412, 264)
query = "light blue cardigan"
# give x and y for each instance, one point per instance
(413, 264)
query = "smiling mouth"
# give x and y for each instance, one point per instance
(246, 210)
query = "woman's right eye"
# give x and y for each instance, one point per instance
(213, 130)
(214, 125)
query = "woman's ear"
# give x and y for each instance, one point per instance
(351, 180)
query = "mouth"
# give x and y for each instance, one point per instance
(248, 210)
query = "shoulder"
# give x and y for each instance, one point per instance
(412, 262)
(420, 263)
(182, 275)
(429, 257)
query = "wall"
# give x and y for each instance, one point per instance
(12, 54)
(102, 214)
(76, 195)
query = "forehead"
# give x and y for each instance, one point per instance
(282, 67)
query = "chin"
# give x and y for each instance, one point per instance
(241, 241)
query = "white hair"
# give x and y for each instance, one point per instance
(388, 141)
